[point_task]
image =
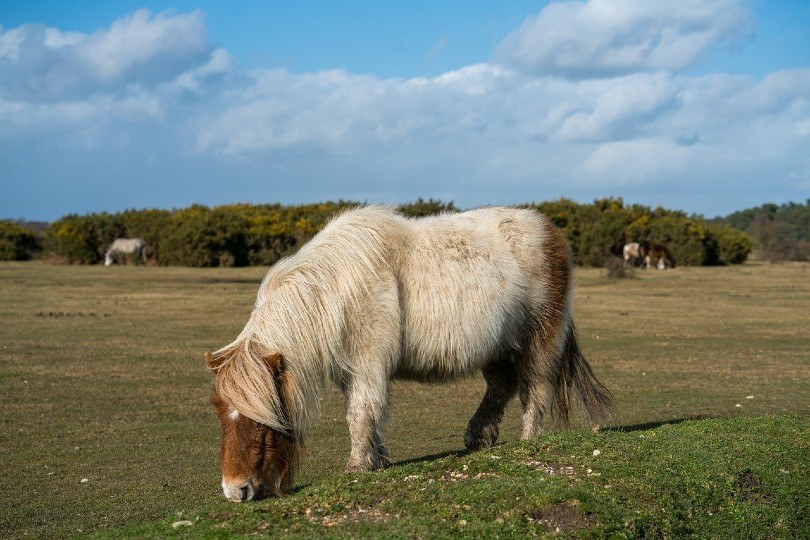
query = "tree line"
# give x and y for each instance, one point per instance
(261, 234)
(780, 232)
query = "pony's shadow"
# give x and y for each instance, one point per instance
(431, 457)
(652, 425)
(440, 455)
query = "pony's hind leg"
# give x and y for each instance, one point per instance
(538, 374)
(502, 382)
(535, 398)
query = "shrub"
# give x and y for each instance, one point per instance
(17, 243)
(74, 238)
(615, 268)
(199, 236)
(734, 247)
(422, 208)
(276, 231)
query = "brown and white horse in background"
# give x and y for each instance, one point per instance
(644, 253)
(376, 296)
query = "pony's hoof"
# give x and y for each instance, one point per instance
(483, 439)
(475, 446)
(478, 443)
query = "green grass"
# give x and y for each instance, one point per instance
(734, 478)
(102, 378)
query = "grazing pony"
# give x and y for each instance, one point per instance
(660, 254)
(121, 247)
(644, 253)
(376, 296)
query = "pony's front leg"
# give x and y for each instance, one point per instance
(365, 415)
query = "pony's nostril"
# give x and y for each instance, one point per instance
(238, 492)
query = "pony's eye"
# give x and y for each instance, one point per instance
(266, 436)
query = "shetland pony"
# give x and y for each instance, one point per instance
(644, 253)
(121, 247)
(376, 296)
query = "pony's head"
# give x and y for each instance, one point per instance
(258, 452)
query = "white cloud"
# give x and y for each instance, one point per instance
(338, 112)
(93, 87)
(21, 120)
(610, 37)
(618, 164)
(142, 39)
(39, 63)
(615, 109)
(198, 79)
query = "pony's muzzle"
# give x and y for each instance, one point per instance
(238, 492)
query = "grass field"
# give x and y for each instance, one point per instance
(105, 425)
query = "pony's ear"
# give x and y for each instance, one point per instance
(276, 364)
(283, 380)
(213, 363)
(281, 376)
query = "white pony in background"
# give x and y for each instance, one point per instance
(122, 247)
(376, 296)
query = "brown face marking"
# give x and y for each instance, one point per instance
(242, 443)
(252, 454)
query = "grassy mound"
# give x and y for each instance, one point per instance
(718, 478)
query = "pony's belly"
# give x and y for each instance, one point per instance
(433, 371)
(458, 339)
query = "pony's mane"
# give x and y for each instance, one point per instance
(300, 312)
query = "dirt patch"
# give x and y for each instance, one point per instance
(453, 476)
(749, 488)
(554, 469)
(562, 518)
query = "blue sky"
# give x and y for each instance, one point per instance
(702, 105)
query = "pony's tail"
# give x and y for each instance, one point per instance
(575, 373)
